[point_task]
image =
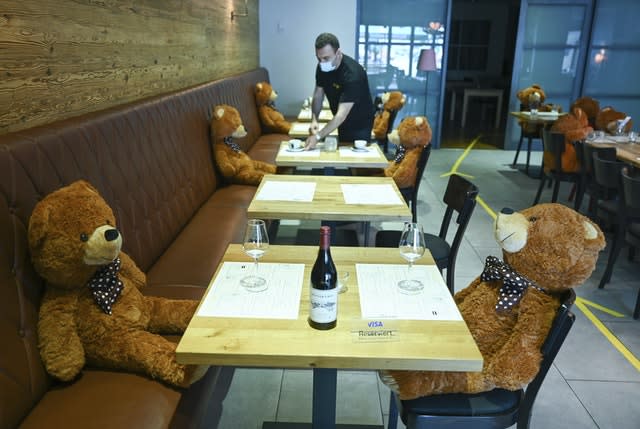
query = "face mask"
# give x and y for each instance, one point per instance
(327, 66)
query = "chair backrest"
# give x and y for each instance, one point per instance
(606, 173)
(560, 328)
(553, 143)
(608, 153)
(411, 194)
(631, 191)
(460, 196)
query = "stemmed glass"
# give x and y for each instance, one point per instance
(411, 246)
(256, 243)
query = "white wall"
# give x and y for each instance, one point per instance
(288, 30)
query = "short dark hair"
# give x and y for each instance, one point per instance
(325, 39)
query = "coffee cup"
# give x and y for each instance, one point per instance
(295, 144)
(360, 144)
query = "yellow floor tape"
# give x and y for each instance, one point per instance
(581, 303)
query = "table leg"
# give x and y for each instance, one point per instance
(452, 110)
(465, 104)
(498, 110)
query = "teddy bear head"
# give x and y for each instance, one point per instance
(226, 122)
(551, 244)
(413, 131)
(265, 93)
(607, 120)
(589, 105)
(72, 232)
(575, 125)
(531, 95)
(393, 100)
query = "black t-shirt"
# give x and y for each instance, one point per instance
(349, 84)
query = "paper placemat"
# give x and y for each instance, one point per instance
(380, 297)
(347, 152)
(299, 153)
(273, 190)
(281, 299)
(370, 194)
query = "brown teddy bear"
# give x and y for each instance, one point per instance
(607, 120)
(93, 311)
(391, 102)
(235, 165)
(575, 127)
(270, 117)
(532, 98)
(547, 249)
(590, 106)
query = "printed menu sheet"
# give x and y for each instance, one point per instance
(348, 152)
(281, 299)
(273, 190)
(370, 194)
(380, 297)
(299, 153)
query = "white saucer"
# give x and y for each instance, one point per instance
(355, 149)
(300, 149)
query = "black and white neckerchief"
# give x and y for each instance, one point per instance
(232, 145)
(513, 284)
(106, 286)
(400, 152)
(272, 104)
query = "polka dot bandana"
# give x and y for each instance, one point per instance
(513, 284)
(400, 151)
(233, 145)
(106, 286)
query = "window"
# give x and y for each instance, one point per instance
(469, 45)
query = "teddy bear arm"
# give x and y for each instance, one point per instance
(130, 270)
(226, 166)
(268, 117)
(252, 172)
(405, 174)
(60, 346)
(380, 125)
(460, 296)
(169, 316)
(414, 384)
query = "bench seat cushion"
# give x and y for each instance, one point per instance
(266, 147)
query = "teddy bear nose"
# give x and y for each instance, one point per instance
(111, 234)
(506, 210)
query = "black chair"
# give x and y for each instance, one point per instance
(606, 175)
(460, 197)
(530, 132)
(498, 408)
(589, 185)
(554, 144)
(628, 227)
(410, 194)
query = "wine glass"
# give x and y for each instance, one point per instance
(256, 243)
(411, 246)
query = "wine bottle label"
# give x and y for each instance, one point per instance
(323, 305)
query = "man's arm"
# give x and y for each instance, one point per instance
(338, 119)
(316, 107)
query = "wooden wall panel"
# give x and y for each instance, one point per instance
(62, 58)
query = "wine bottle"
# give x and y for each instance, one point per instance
(323, 305)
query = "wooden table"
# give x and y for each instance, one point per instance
(542, 118)
(328, 201)
(305, 115)
(625, 151)
(341, 158)
(421, 345)
(301, 129)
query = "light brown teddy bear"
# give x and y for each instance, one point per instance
(271, 118)
(532, 98)
(607, 120)
(235, 165)
(575, 127)
(590, 106)
(391, 102)
(552, 248)
(92, 311)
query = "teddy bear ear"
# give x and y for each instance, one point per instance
(259, 86)
(419, 120)
(218, 112)
(37, 225)
(404, 99)
(87, 186)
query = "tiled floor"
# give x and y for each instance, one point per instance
(591, 384)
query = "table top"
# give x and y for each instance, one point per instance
(344, 157)
(328, 201)
(287, 343)
(305, 115)
(540, 118)
(301, 129)
(625, 151)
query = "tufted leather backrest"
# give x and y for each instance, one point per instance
(152, 162)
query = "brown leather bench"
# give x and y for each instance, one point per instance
(152, 162)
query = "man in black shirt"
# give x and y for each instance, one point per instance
(346, 86)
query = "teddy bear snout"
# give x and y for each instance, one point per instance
(103, 245)
(111, 234)
(507, 210)
(511, 230)
(239, 132)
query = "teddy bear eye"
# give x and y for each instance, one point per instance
(533, 219)
(84, 237)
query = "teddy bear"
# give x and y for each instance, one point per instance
(575, 127)
(532, 97)
(607, 120)
(235, 165)
(270, 117)
(590, 106)
(391, 102)
(92, 311)
(411, 137)
(510, 307)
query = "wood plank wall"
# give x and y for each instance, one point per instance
(62, 58)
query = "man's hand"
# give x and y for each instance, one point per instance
(311, 142)
(313, 127)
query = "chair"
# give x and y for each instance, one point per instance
(606, 175)
(410, 194)
(589, 185)
(530, 132)
(495, 409)
(554, 143)
(460, 197)
(628, 228)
